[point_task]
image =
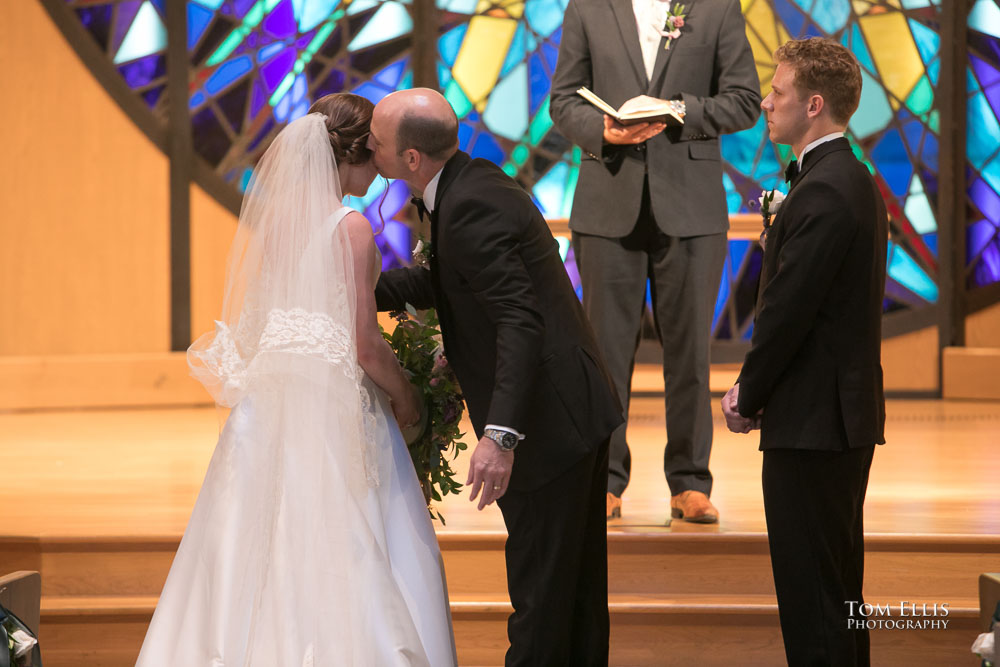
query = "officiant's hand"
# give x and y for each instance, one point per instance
(736, 422)
(616, 133)
(489, 471)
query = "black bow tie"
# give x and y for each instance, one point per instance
(791, 171)
(421, 209)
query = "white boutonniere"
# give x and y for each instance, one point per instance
(421, 256)
(769, 202)
(672, 26)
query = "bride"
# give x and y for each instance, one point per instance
(310, 543)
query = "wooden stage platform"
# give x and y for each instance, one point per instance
(97, 500)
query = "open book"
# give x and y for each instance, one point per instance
(641, 109)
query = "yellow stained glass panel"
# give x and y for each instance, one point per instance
(765, 33)
(894, 52)
(482, 54)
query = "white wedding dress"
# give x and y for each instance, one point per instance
(310, 544)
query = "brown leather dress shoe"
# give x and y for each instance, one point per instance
(614, 506)
(693, 506)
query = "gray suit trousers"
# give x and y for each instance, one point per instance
(684, 274)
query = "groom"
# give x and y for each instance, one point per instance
(813, 374)
(538, 394)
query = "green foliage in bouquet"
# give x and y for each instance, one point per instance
(417, 344)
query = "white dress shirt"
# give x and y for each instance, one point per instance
(650, 16)
(430, 191)
(814, 144)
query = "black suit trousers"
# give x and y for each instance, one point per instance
(814, 505)
(557, 569)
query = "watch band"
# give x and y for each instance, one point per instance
(506, 440)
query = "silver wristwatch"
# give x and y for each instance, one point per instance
(506, 440)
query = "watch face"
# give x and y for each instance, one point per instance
(509, 441)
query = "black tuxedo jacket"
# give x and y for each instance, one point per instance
(814, 364)
(512, 326)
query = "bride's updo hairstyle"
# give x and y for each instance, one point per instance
(348, 120)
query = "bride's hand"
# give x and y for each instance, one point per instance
(406, 408)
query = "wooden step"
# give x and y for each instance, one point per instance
(942, 567)
(683, 630)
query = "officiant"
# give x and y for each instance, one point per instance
(650, 203)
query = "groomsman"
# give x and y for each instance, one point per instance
(812, 379)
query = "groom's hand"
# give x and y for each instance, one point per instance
(489, 471)
(736, 422)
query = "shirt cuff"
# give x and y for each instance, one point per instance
(520, 436)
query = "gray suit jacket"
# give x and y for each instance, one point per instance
(710, 66)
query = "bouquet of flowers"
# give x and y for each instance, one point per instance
(417, 344)
(21, 646)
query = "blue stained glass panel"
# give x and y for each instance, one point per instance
(516, 52)
(264, 54)
(257, 99)
(890, 158)
(991, 172)
(139, 73)
(487, 147)
(227, 73)
(829, 15)
(928, 42)
(983, 131)
(987, 271)
(539, 84)
(986, 199)
(790, 16)
(985, 72)
(450, 42)
(874, 112)
(904, 270)
(931, 241)
(198, 18)
(507, 111)
(391, 75)
(860, 50)
(544, 16)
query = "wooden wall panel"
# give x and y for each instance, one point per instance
(212, 230)
(982, 329)
(910, 361)
(83, 205)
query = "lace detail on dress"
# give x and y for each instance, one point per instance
(223, 366)
(313, 334)
(370, 424)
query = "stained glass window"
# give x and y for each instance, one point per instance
(983, 145)
(256, 64)
(895, 132)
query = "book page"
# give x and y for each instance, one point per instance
(597, 102)
(643, 104)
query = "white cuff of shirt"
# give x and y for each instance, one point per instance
(520, 436)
